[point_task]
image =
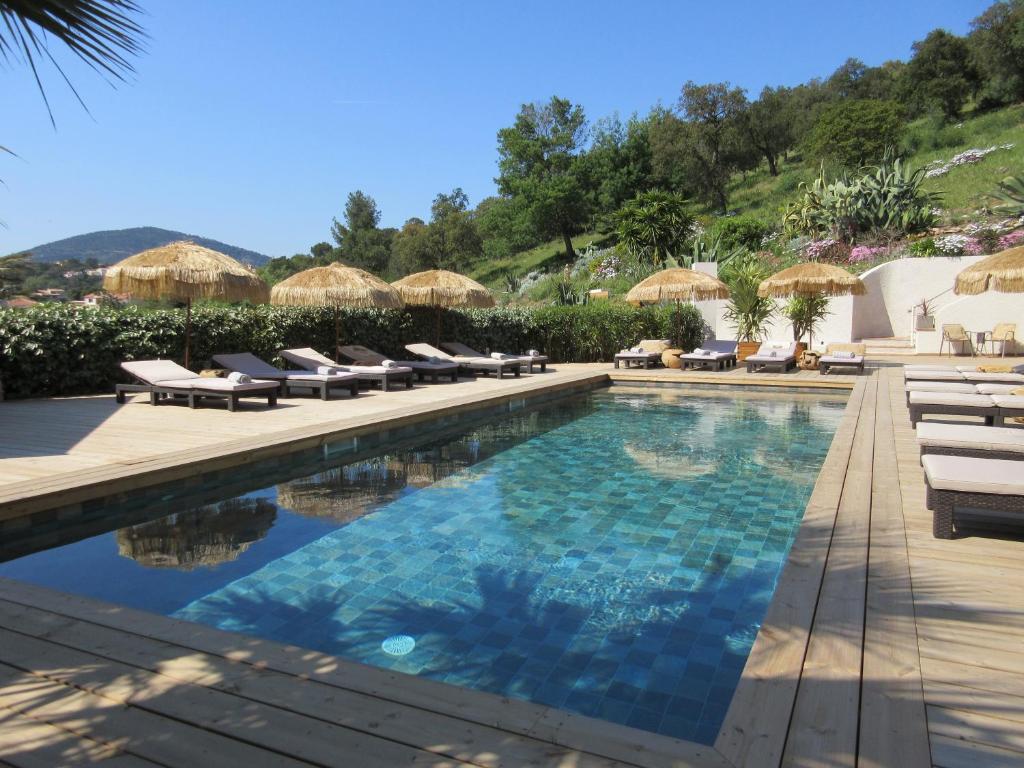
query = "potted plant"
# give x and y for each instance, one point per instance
(924, 320)
(750, 313)
(806, 314)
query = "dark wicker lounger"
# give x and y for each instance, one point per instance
(974, 440)
(434, 371)
(289, 380)
(952, 404)
(482, 365)
(312, 361)
(716, 354)
(163, 379)
(459, 351)
(993, 488)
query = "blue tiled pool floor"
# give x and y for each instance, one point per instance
(616, 564)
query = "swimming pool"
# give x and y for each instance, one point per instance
(611, 553)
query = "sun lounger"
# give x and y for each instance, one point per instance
(459, 351)
(938, 439)
(963, 388)
(647, 353)
(484, 365)
(993, 487)
(914, 374)
(312, 361)
(423, 369)
(777, 356)
(842, 356)
(714, 354)
(1010, 407)
(952, 404)
(245, 362)
(162, 378)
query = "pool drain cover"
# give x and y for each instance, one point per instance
(398, 645)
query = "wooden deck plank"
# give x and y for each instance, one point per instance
(893, 721)
(141, 733)
(244, 721)
(754, 731)
(28, 743)
(359, 712)
(957, 753)
(557, 728)
(823, 730)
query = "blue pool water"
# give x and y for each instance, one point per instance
(612, 554)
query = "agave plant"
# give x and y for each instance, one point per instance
(886, 198)
(1010, 196)
(568, 295)
(513, 283)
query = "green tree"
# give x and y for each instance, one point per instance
(411, 248)
(997, 41)
(13, 270)
(712, 136)
(654, 225)
(856, 132)
(360, 241)
(454, 238)
(539, 162)
(768, 124)
(618, 162)
(941, 73)
(505, 227)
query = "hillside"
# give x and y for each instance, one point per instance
(964, 189)
(113, 245)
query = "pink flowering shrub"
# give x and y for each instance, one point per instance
(1011, 240)
(828, 250)
(862, 253)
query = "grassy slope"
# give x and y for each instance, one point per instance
(964, 189)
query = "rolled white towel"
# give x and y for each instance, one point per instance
(329, 370)
(638, 350)
(698, 351)
(389, 363)
(501, 356)
(239, 378)
(533, 353)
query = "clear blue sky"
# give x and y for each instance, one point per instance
(249, 121)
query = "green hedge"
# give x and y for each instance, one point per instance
(60, 350)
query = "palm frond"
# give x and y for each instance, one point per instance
(102, 33)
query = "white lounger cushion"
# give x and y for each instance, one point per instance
(952, 398)
(996, 389)
(943, 386)
(154, 371)
(916, 367)
(974, 436)
(933, 376)
(1005, 378)
(252, 365)
(223, 385)
(1012, 402)
(855, 360)
(375, 369)
(313, 361)
(961, 473)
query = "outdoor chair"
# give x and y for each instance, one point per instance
(384, 375)
(1003, 334)
(714, 354)
(991, 488)
(163, 378)
(773, 356)
(954, 333)
(646, 353)
(363, 356)
(247, 363)
(483, 365)
(459, 351)
(842, 356)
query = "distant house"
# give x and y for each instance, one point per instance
(98, 299)
(50, 294)
(18, 302)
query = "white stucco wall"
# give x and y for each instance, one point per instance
(893, 289)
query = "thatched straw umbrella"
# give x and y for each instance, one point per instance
(1002, 272)
(440, 288)
(677, 285)
(183, 271)
(335, 286)
(811, 279)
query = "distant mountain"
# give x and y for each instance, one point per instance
(116, 244)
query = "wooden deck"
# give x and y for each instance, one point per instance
(883, 646)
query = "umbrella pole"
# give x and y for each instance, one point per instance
(437, 327)
(188, 329)
(337, 334)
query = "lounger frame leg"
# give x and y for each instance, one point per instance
(232, 402)
(941, 505)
